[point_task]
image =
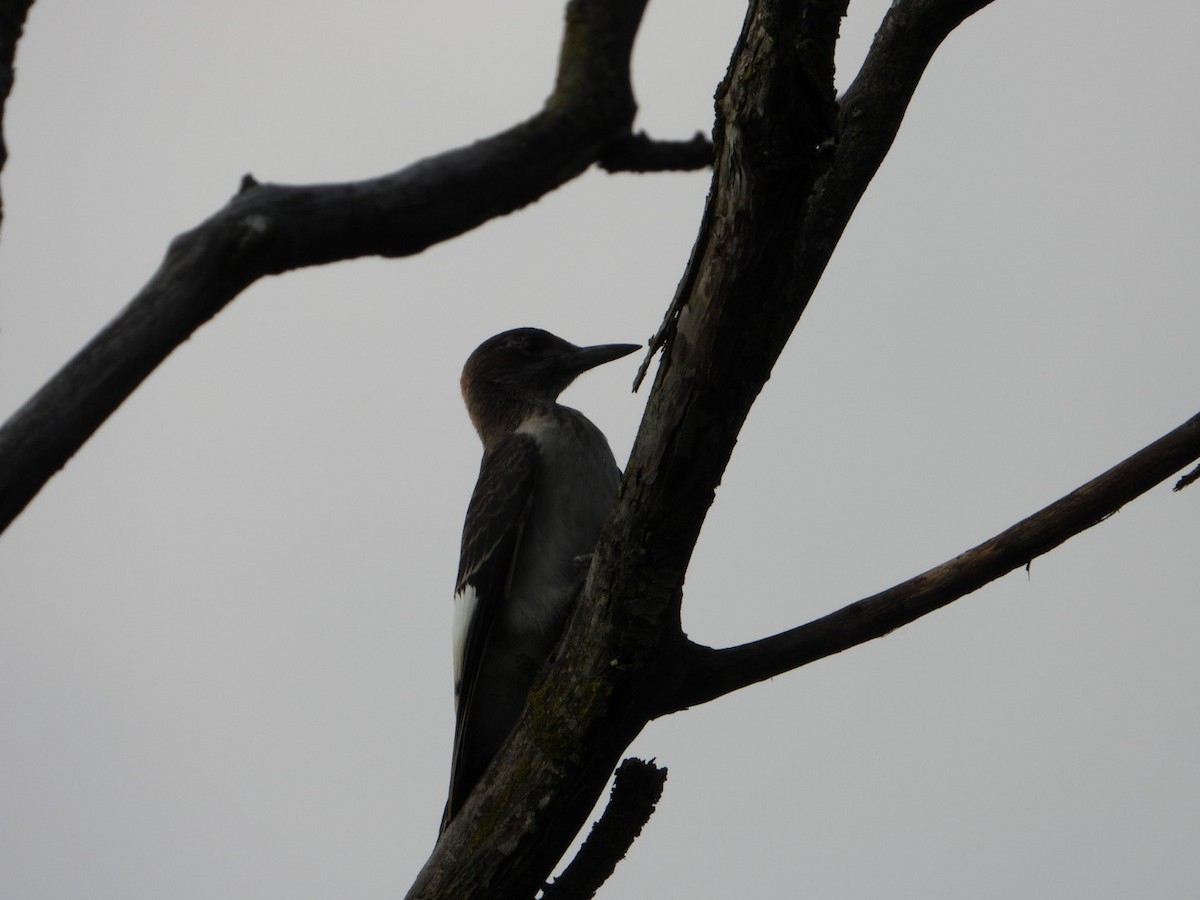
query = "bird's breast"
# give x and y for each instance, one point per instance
(576, 482)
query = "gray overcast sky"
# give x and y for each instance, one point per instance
(224, 627)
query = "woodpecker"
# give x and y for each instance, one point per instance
(545, 486)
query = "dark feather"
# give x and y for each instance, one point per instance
(498, 507)
(492, 531)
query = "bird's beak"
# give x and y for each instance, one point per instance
(585, 358)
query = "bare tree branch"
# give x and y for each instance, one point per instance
(640, 153)
(868, 119)
(267, 229)
(1187, 479)
(705, 674)
(12, 22)
(637, 787)
(873, 107)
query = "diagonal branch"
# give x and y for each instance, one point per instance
(267, 229)
(706, 674)
(868, 118)
(872, 109)
(637, 787)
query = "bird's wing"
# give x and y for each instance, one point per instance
(498, 506)
(496, 516)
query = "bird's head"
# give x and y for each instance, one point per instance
(523, 370)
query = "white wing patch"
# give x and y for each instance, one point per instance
(465, 602)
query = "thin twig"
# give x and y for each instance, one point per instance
(641, 153)
(1187, 479)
